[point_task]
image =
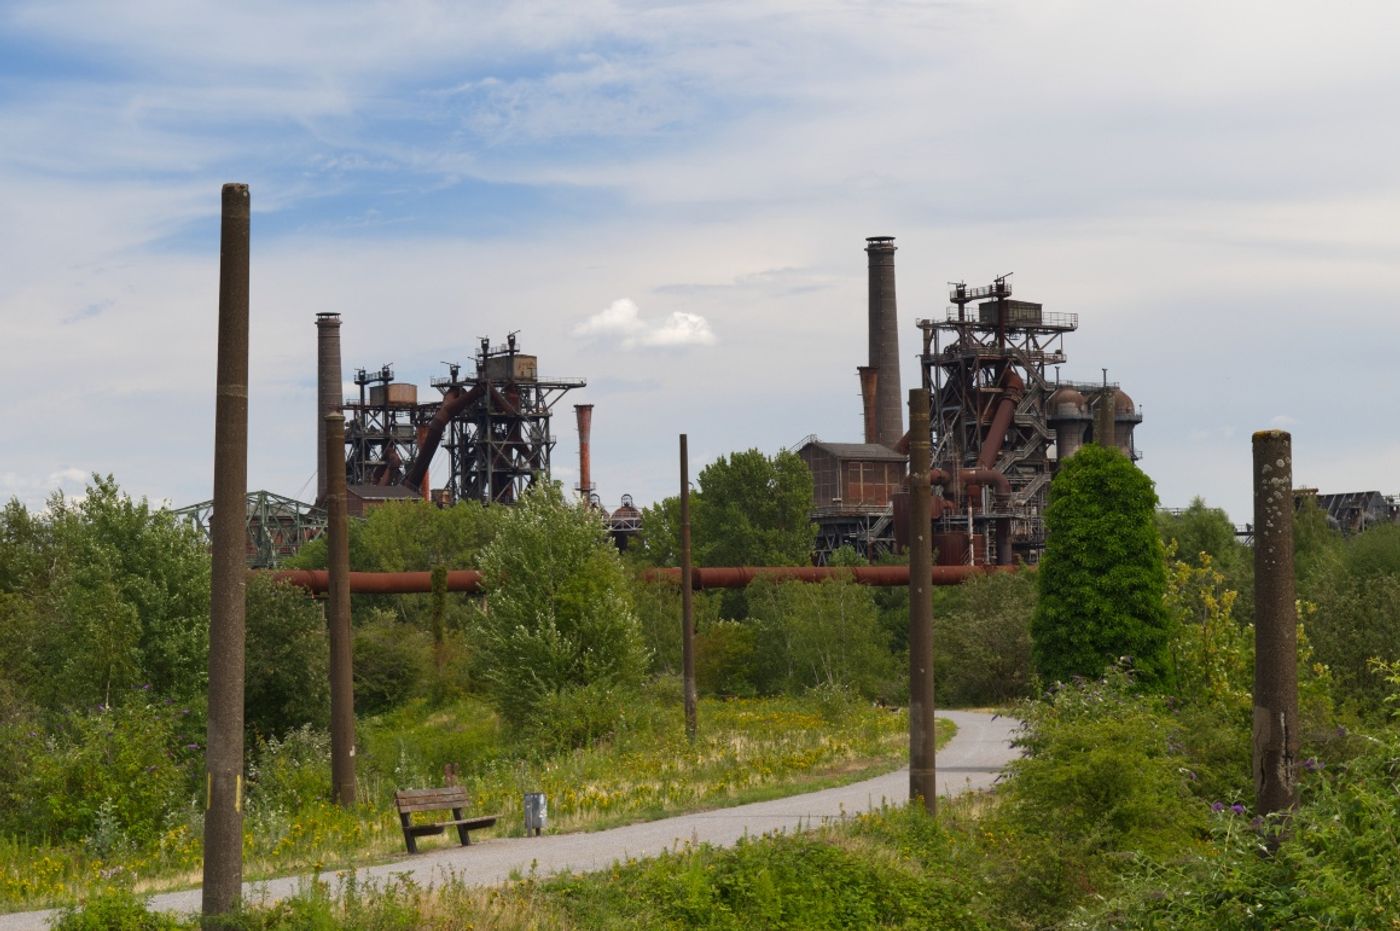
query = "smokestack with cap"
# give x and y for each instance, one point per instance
(327, 390)
(585, 458)
(884, 341)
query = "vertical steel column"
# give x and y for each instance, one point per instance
(687, 600)
(923, 782)
(223, 807)
(338, 617)
(1275, 626)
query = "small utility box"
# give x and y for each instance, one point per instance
(536, 812)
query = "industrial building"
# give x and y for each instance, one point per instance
(1000, 424)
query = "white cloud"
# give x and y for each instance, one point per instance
(682, 329)
(622, 319)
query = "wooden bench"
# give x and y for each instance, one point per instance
(452, 798)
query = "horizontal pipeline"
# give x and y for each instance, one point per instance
(469, 580)
(885, 576)
(382, 583)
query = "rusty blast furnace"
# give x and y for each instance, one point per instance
(1000, 424)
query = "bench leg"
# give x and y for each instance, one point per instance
(408, 834)
(462, 834)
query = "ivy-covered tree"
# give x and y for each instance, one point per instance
(1103, 577)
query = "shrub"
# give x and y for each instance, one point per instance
(982, 648)
(558, 614)
(286, 683)
(393, 662)
(131, 764)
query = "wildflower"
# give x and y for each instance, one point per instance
(1237, 808)
(1217, 806)
(1313, 765)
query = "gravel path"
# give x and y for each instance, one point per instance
(971, 760)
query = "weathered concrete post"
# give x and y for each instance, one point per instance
(223, 809)
(687, 601)
(1275, 627)
(923, 782)
(338, 616)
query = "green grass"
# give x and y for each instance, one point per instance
(747, 750)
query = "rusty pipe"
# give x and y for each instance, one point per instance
(1013, 387)
(879, 576)
(317, 581)
(453, 403)
(869, 384)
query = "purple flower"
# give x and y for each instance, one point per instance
(191, 746)
(1313, 765)
(1237, 808)
(1217, 806)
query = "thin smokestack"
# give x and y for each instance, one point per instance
(584, 412)
(327, 389)
(869, 383)
(884, 340)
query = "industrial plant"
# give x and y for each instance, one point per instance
(1000, 426)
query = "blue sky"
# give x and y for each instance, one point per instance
(671, 201)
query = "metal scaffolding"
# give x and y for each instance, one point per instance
(500, 443)
(381, 434)
(994, 407)
(276, 526)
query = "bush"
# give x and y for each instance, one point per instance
(116, 909)
(558, 614)
(286, 683)
(820, 634)
(982, 648)
(726, 661)
(393, 662)
(119, 772)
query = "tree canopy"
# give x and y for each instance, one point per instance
(1103, 577)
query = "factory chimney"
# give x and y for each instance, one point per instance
(884, 341)
(585, 458)
(327, 390)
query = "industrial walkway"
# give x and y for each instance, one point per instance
(971, 760)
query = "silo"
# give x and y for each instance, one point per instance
(1068, 415)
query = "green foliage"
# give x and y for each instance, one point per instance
(660, 541)
(780, 882)
(1317, 548)
(126, 767)
(558, 613)
(128, 595)
(751, 510)
(1103, 576)
(1201, 531)
(286, 681)
(658, 607)
(1357, 619)
(393, 661)
(826, 634)
(116, 908)
(290, 772)
(726, 659)
(982, 644)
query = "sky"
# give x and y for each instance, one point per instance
(670, 200)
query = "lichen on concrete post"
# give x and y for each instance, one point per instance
(1275, 733)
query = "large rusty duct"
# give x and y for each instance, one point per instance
(327, 389)
(884, 341)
